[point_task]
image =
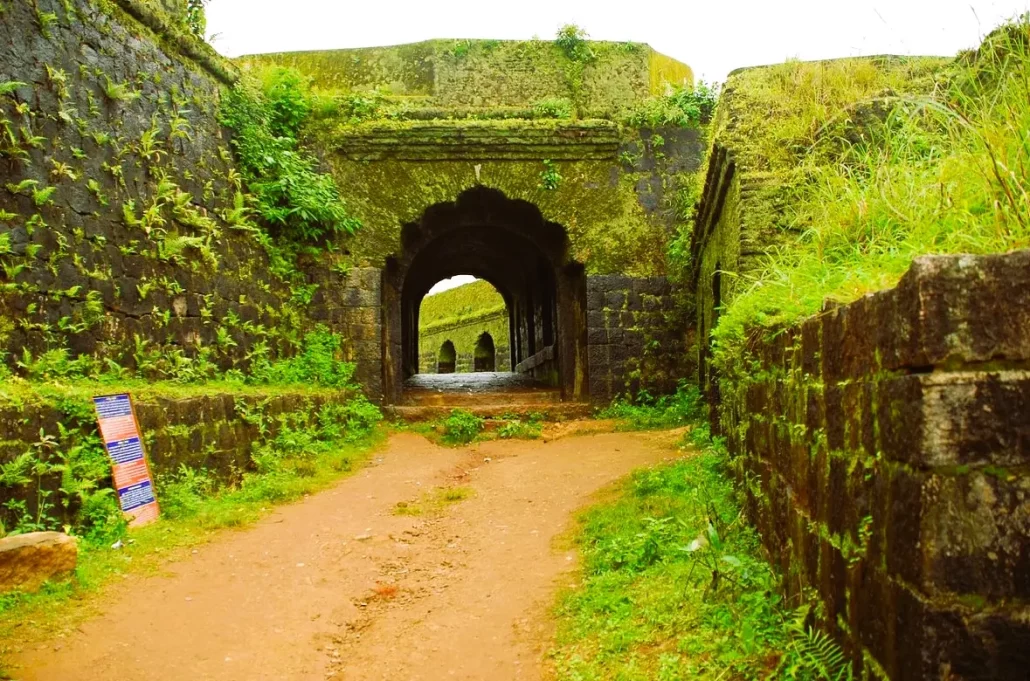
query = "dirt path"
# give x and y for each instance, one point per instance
(339, 587)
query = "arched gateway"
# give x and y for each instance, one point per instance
(526, 258)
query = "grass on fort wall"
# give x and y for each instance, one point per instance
(453, 306)
(945, 171)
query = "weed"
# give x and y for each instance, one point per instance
(516, 429)
(645, 412)
(119, 92)
(433, 502)
(461, 427)
(550, 178)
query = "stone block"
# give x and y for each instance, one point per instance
(935, 641)
(29, 560)
(872, 604)
(615, 300)
(961, 309)
(963, 534)
(956, 418)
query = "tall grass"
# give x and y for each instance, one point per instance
(941, 172)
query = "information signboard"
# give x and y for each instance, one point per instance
(120, 432)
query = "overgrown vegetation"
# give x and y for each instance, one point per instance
(196, 17)
(647, 412)
(674, 587)
(461, 427)
(528, 428)
(301, 203)
(687, 107)
(892, 161)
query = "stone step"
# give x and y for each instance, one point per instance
(428, 398)
(561, 411)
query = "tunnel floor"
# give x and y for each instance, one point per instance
(484, 382)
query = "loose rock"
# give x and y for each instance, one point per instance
(28, 560)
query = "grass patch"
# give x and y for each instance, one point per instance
(461, 427)
(880, 164)
(530, 428)
(646, 412)
(433, 502)
(674, 587)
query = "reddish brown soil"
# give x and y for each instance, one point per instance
(340, 587)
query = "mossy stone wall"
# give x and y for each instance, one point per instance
(483, 74)
(115, 120)
(213, 430)
(613, 199)
(461, 315)
(884, 443)
(464, 334)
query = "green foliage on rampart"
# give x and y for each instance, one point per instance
(300, 203)
(875, 162)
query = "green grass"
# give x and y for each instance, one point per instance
(674, 587)
(433, 502)
(946, 170)
(646, 412)
(517, 429)
(193, 511)
(461, 427)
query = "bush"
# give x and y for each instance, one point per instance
(645, 412)
(516, 429)
(317, 363)
(462, 427)
(686, 107)
(182, 493)
(299, 202)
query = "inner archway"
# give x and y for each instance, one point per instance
(507, 243)
(446, 359)
(484, 355)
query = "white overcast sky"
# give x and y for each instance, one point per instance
(712, 36)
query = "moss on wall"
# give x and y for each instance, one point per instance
(491, 73)
(610, 195)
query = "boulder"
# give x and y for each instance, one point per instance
(28, 560)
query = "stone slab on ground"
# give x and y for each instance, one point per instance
(29, 560)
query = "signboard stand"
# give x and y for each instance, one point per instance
(120, 432)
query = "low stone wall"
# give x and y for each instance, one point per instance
(214, 431)
(887, 447)
(351, 305)
(635, 336)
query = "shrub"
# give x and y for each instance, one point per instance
(645, 412)
(462, 427)
(299, 202)
(318, 363)
(572, 40)
(687, 107)
(516, 429)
